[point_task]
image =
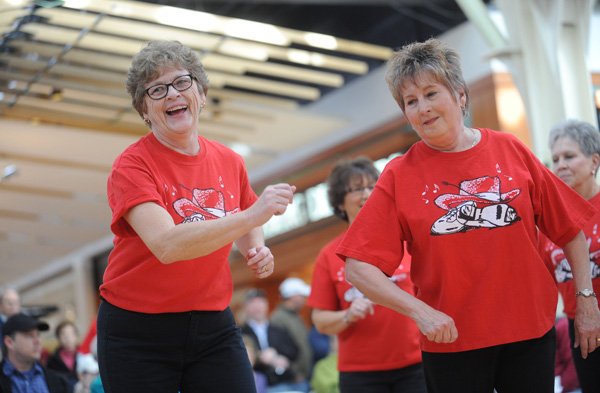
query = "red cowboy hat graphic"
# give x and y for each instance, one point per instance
(206, 203)
(483, 191)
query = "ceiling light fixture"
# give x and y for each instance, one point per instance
(178, 17)
(8, 171)
(321, 41)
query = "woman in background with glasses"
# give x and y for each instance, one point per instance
(379, 349)
(178, 202)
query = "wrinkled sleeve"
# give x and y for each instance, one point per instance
(323, 293)
(560, 212)
(130, 183)
(376, 235)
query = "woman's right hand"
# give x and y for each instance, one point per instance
(360, 308)
(436, 326)
(274, 200)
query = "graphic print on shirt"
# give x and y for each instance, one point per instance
(206, 204)
(479, 203)
(562, 269)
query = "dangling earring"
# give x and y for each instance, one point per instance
(203, 104)
(147, 121)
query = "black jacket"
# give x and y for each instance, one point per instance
(55, 363)
(55, 382)
(282, 342)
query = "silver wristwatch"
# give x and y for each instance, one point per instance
(586, 292)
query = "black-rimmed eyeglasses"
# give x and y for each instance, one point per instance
(360, 190)
(180, 83)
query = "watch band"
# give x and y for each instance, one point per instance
(586, 292)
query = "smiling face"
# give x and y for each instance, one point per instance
(433, 111)
(357, 192)
(177, 113)
(572, 165)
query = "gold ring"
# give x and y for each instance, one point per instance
(598, 339)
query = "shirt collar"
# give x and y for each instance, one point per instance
(9, 369)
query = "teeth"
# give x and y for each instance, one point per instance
(176, 108)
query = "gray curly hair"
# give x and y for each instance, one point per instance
(147, 64)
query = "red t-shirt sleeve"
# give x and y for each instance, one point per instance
(560, 212)
(129, 184)
(323, 293)
(377, 234)
(248, 196)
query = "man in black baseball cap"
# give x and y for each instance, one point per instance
(23, 323)
(22, 348)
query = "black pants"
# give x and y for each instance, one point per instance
(403, 380)
(588, 370)
(520, 367)
(189, 352)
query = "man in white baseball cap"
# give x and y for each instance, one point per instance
(294, 292)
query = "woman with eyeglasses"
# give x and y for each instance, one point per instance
(378, 348)
(178, 202)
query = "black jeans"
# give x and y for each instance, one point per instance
(188, 352)
(588, 370)
(519, 367)
(402, 380)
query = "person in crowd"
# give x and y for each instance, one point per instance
(64, 358)
(96, 384)
(260, 379)
(367, 360)
(293, 292)
(87, 372)
(21, 370)
(10, 304)
(468, 203)
(325, 377)
(575, 148)
(320, 344)
(178, 202)
(564, 367)
(276, 348)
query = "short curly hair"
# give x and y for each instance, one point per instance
(341, 176)
(432, 57)
(146, 65)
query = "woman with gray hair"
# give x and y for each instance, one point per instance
(178, 202)
(468, 203)
(575, 147)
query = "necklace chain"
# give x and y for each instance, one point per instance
(474, 138)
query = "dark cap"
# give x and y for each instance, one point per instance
(23, 323)
(254, 293)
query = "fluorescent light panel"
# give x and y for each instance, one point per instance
(201, 21)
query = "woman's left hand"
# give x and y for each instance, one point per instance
(261, 261)
(587, 325)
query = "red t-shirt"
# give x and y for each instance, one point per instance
(557, 262)
(385, 340)
(469, 220)
(207, 186)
